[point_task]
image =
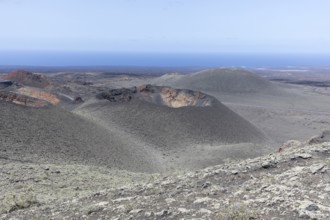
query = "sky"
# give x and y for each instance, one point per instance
(166, 26)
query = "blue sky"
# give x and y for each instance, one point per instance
(166, 26)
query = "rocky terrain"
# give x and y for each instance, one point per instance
(39, 94)
(27, 78)
(145, 129)
(183, 129)
(26, 88)
(19, 99)
(100, 146)
(5, 83)
(282, 111)
(164, 96)
(293, 183)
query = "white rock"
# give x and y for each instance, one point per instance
(327, 189)
(205, 211)
(316, 168)
(304, 156)
(202, 200)
(183, 210)
(123, 199)
(102, 203)
(135, 211)
(169, 200)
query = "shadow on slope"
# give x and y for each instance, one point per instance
(218, 80)
(175, 132)
(51, 134)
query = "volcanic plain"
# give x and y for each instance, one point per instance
(91, 140)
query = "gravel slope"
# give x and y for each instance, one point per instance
(51, 134)
(291, 184)
(170, 128)
(219, 80)
(180, 138)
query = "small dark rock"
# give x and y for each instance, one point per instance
(312, 207)
(268, 164)
(206, 185)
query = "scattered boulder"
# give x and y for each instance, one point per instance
(289, 144)
(163, 213)
(312, 207)
(323, 137)
(303, 156)
(78, 100)
(118, 95)
(95, 208)
(316, 168)
(288, 191)
(268, 164)
(307, 210)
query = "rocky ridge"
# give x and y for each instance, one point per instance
(39, 94)
(28, 78)
(222, 80)
(28, 89)
(159, 95)
(21, 99)
(293, 183)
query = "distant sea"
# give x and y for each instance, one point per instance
(163, 60)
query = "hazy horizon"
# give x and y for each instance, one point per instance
(166, 27)
(241, 60)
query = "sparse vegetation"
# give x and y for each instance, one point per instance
(237, 211)
(153, 177)
(14, 201)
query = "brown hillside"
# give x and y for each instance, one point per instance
(39, 94)
(21, 99)
(28, 78)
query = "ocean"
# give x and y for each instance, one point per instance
(163, 60)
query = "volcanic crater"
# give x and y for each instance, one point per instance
(159, 95)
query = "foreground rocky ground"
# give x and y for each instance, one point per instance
(293, 183)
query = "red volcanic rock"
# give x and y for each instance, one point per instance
(21, 99)
(27, 78)
(159, 95)
(39, 94)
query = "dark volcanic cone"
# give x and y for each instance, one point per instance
(169, 117)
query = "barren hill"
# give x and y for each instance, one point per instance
(139, 129)
(218, 80)
(20, 99)
(27, 78)
(187, 128)
(51, 134)
(39, 94)
(31, 85)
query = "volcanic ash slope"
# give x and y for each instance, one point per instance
(52, 135)
(186, 129)
(218, 80)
